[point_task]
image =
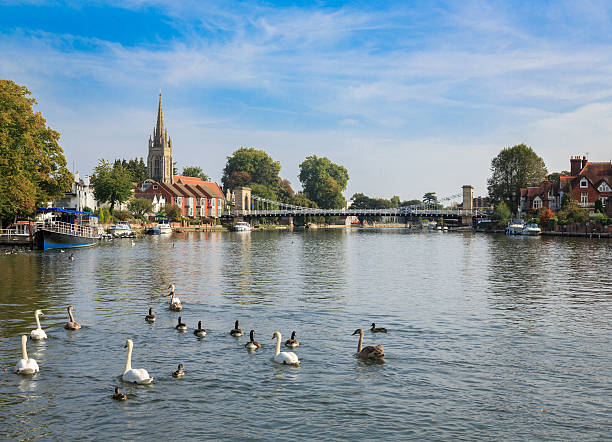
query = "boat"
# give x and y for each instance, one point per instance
(242, 226)
(121, 229)
(64, 228)
(531, 229)
(515, 227)
(164, 226)
(153, 231)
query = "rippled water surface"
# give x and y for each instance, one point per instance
(485, 332)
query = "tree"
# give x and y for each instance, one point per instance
(323, 182)
(545, 215)
(174, 213)
(139, 207)
(111, 183)
(502, 213)
(32, 164)
(430, 198)
(395, 201)
(257, 163)
(555, 177)
(195, 172)
(514, 167)
(411, 203)
(567, 198)
(599, 206)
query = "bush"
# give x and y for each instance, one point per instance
(174, 213)
(122, 215)
(87, 209)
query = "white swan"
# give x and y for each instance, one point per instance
(25, 365)
(135, 375)
(284, 357)
(38, 332)
(175, 302)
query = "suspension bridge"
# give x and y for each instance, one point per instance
(249, 206)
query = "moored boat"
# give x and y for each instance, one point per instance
(66, 228)
(164, 226)
(515, 227)
(531, 229)
(242, 226)
(121, 229)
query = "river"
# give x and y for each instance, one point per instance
(489, 337)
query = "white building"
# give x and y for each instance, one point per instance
(80, 196)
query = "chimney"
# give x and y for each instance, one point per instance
(575, 166)
(584, 162)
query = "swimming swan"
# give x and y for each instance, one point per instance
(72, 324)
(25, 365)
(151, 316)
(369, 353)
(284, 357)
(199, 332)
(38, 333)
(375, 329)
(135, 375)
(292, 343)
(236, 332)
(175, 302)
(252, 344)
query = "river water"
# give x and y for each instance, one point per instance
(489, 337)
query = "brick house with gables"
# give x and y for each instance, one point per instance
(588, 181)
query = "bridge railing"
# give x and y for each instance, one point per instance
(355, 212)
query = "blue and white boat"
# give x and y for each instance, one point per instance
(63, 228)
(515, 227)
(531, 229)
(121, 229)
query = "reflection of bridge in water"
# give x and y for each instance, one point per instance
(249, 206)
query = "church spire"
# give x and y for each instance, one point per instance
(160, 130)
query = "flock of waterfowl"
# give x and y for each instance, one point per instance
(28, 366)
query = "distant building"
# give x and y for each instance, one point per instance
(588, 181)
(159, 160)
(80, 195)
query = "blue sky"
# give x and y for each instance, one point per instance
(410, 97)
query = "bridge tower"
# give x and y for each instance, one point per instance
(468, 203)
(243, 200)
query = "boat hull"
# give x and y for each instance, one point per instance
(47, 239)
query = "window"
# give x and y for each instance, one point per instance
(584, 198)
(584, 183)
(179, 200)
(155, 186)
(537, 202)
(604, 187)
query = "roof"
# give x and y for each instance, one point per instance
(211, 188)
(597, 171)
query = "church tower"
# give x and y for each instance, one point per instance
(159, 161)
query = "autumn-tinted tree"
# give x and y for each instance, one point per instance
(514, 167)
(195, 171)
(323, 181)
(32, 164)
(238, 179)
(111, 183)
(173, 212)
(139, 207)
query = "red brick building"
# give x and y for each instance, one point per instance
(196, 198)
(588, 182)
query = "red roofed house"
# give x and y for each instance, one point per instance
(588, 181)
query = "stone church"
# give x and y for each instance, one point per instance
(159, 160)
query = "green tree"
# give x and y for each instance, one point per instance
(299, 199)
(111, 183)
(173, 212)
(514, 167)
(257, 163)
(139, 207)
(323, 182)
(395, 201)
(567, 198)
(411, 203)
(32, 164)
(195, 171)
(430, 198)
(555, 176)
(599, 206)
(502, 213)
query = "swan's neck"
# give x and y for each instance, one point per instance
(24, 352)
(277, 349)
(172, 297)
(70, 314)
(128, 361)
(360, 342)
(37, 321)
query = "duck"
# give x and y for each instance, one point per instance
(252, 344)
(369, 353)
(375, 329)
(151, 316)
(135, 375)
(236, 332)
(72, 324)
(133, 243)
(38, 332)
(179, 373)
(283, 357)
(119, 396)
(175, 302)
(26, 365)
(199, 332)
(181, 326)
(71, 257)
(292, 343)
